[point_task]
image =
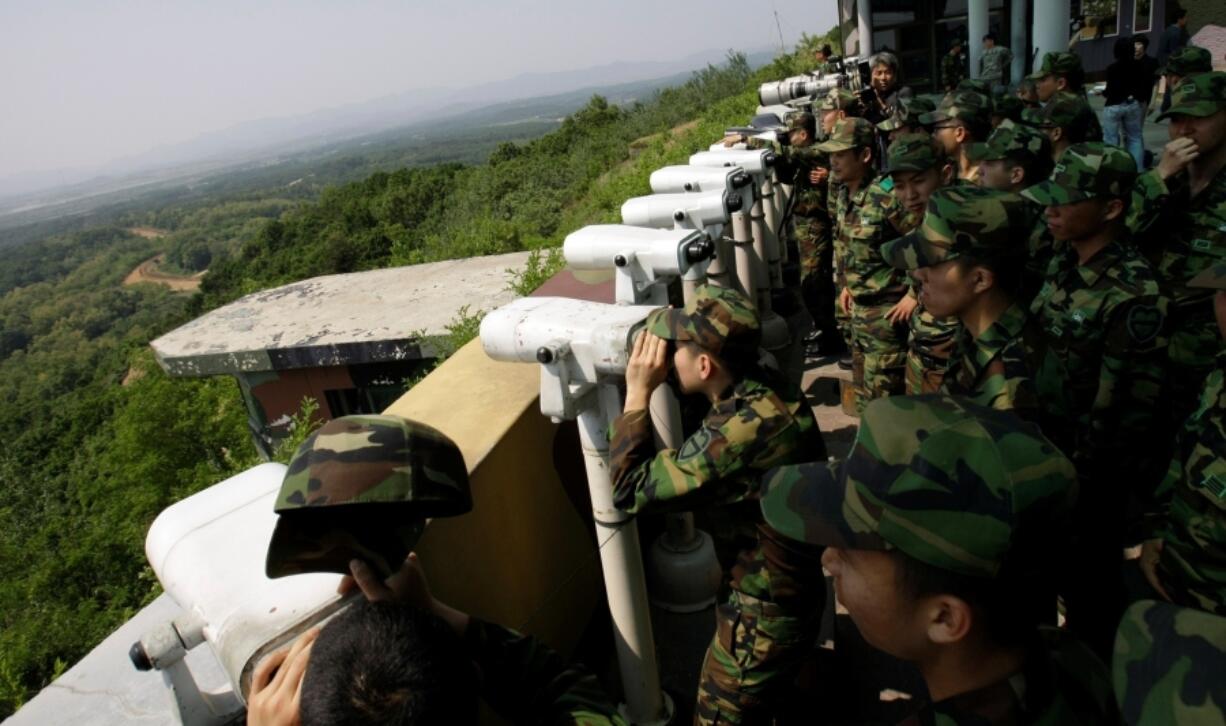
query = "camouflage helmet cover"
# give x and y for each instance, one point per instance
(1086, 171)
(363, 486)
(1010, 139)
(849, 133)
(957, 486)
(801, 121)
(907, 114)
(841, 99)
(1188, 61)
(975, 85)
(719, 319)
(961, 220)
(960, 106)
(1200, 95)
(1009, 107)
(1057, 63)
(912, 152)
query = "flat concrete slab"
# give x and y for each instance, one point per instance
(362, 317)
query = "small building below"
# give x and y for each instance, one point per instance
(351, 342)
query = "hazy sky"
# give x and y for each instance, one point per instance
(86, 82)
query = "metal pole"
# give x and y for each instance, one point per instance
(761, 276)
(976, 27)
(1017, 39)
(722, 270)
(774, 245)
(622, 563)
(742, 240)
(1051, 28)
(864, 27)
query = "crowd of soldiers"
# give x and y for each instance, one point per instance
(1036, 332)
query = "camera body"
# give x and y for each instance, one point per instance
(645, 259)
(852, 73)
(578, 343)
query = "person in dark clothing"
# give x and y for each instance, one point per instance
(1123, 115)
(1174, 39)
(1146, 72)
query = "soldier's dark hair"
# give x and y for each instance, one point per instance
(990, 36)
(1078, 130)
(391, 665)
(1037, 167)
(1179, 14)
(1142, 39)
(979, 128)
(826, 50)
(1008, 610)
(1006, 269)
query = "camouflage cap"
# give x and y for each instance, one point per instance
(1010, 139)
(960, 220)
(801, 121)
(1036, 118)
(363, 487)
(912, 152)
(1010, 107)
(1167, 665)
(955, 485)
(719, 319)
(975, 85)
(1188, 61)
(849, 133)
(1057, 63)
(1086, 171)
(1064, 110)
(1212, 278)
(841, 99)
(960, 106)
(907, 114)
(1200, 95)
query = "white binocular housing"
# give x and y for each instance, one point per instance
(576, 342)
(754, 161)
(698, 210)
(678, 179)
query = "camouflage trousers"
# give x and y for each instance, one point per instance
(929, 349)
(763, 631)
(880, 354)
(816, 251)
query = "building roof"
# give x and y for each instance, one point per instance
(361, 317)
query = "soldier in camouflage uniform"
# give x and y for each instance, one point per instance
(354, 499)
(967, 255)
(867, 214)
(1066, 120)
(1014, 157)
(1100, 379)
(906, 118)
(960, 120)
(808, 170)
(940, 527)
(994, 64)
(1188, 61)
(770, 618)
(1061, 76)
(1167, 666)
(1178, 218)
(917, 169)
(954, 65)
(1186, 560)
(839, 103)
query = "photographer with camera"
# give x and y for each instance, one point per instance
(884, 93)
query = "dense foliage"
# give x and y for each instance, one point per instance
(98, 439)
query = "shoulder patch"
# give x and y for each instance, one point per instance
(695, 445)
(1144, 322)
(887, 184)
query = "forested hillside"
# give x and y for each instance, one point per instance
(97, 439)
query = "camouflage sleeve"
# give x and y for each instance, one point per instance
(527, 682)
(1149, 194)
(1129, 387)
(710, 467)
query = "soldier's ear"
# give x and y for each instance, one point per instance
(949, 618)
(947, 173)
(1017, 174)
(982, 280)
(1113, 209)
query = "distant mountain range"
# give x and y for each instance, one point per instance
(248, 141)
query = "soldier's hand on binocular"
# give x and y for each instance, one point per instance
(276, 685)
(646, 369)
(1176, 156)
